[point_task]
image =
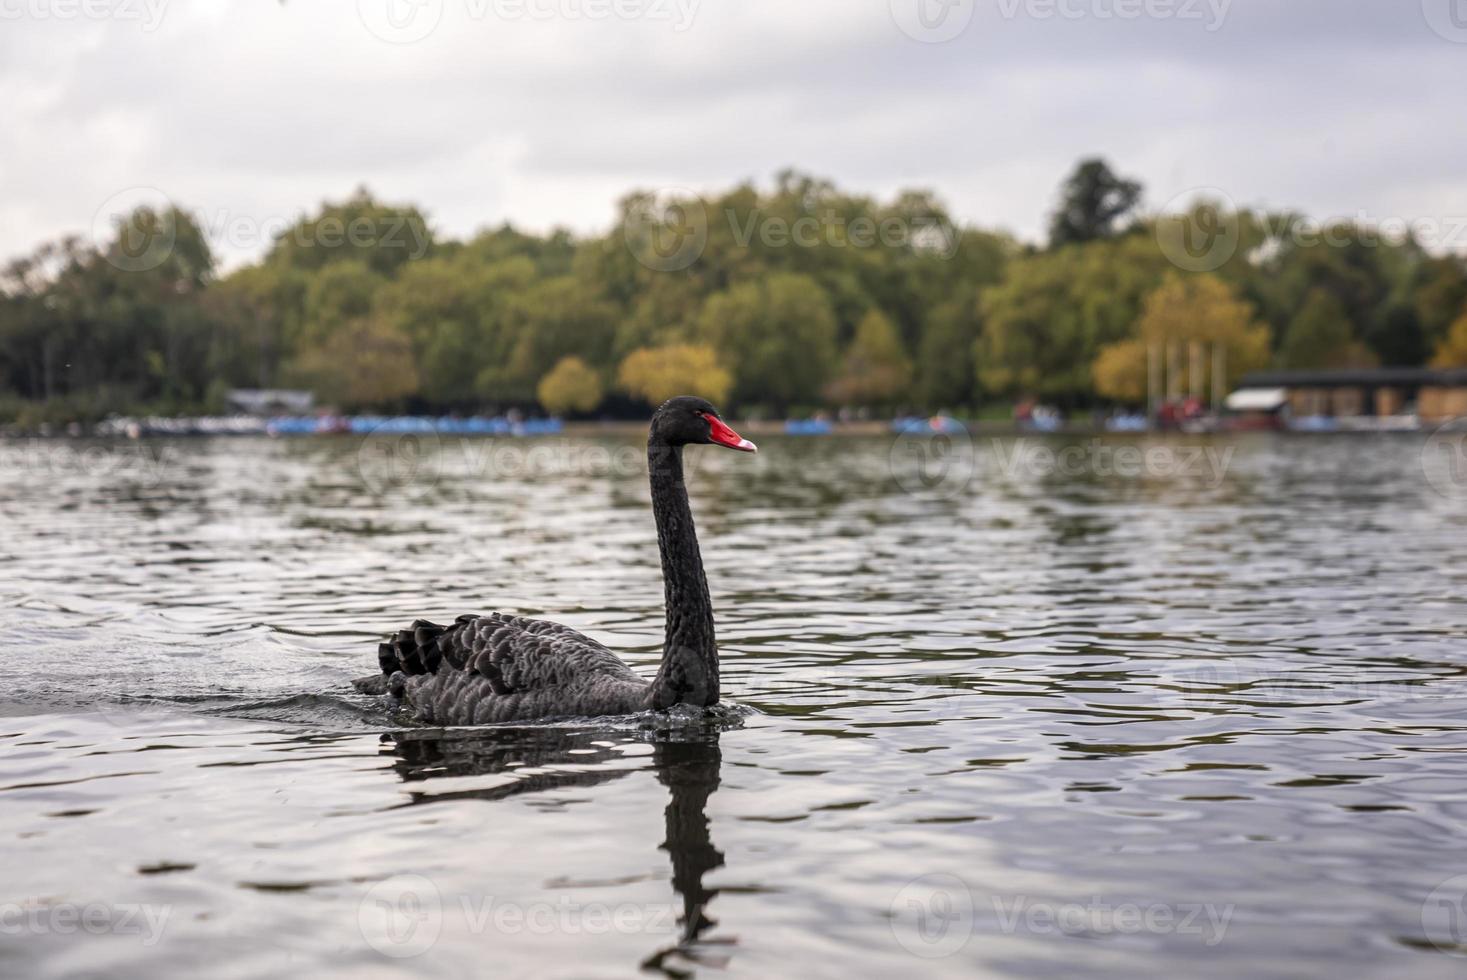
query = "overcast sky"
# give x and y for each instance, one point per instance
(544, 112)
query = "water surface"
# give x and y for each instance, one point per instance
(1016, 713)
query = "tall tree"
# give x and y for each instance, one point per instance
(1092, 201)
(944, 364)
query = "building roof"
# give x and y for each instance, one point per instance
(1257, 399)
(260, 401)
(1406, 377)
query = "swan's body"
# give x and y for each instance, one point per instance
(506, 668)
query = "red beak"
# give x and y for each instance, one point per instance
(725, 436)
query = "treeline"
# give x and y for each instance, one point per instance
(779, 300)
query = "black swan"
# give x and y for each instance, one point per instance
(499, 667)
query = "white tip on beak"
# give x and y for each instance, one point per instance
(747, 446)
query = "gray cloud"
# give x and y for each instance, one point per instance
(251, 113)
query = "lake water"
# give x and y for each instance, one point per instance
(1019, 708)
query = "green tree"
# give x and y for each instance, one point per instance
(550, 320)
(571, 386)
(362, 363)
(657, 374)
(778, 336)
(1439, 294)
(944, 370)
(337, 295)
(360, 229)
(1046, 322)
(455, 309)
(1319, 336)
(1092, 201)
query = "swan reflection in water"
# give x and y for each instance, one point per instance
(686, 761)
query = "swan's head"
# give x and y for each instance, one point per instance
(686, 420)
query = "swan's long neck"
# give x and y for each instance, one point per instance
(689, 672)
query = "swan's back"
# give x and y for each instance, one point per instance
(494, 668)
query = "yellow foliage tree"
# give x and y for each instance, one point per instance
(571, 386)
(656, 374)
(1182, 311)
(1120, 371)
(1452, 351)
